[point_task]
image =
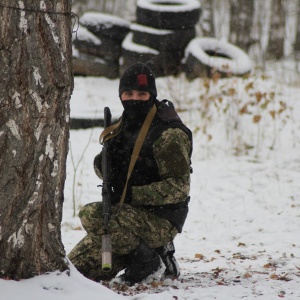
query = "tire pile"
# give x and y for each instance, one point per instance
(163, 34)
(97, 45)
(106, 45)
(162, 31)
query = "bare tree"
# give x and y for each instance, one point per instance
(240, 22)
(36, 83)
(275, 47)
(206, 20)
(297, 42)
(221, 18)
(292, 8)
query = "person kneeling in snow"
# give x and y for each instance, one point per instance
(156, 204)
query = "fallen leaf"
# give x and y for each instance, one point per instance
(256, 118)
(199, 256)
(274, 276)
(247, 275)
(249, 86)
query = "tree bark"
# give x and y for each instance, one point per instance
(291, 9)
(221, 19)
(275, 47)
(240, 23)
(206, 20)
(36, 83)
(260, 30)
(297, 42)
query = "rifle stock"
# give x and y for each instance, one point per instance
(106, 199)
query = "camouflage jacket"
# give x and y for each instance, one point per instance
(160, 180)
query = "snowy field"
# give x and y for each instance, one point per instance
(241, 238)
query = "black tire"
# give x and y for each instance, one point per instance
(162, 39)
(88, 65)
(104, 47)
(105, 25)
(206, 56)
(168, 14)
(164, 63)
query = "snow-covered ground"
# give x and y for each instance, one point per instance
(241, 238)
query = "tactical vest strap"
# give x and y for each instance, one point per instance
(137, 147)
(109, 132)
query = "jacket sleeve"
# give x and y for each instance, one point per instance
(171, 152)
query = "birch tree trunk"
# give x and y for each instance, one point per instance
(206, 23)
(291, 23)
(275, 46)
(221, 19)
(260, 30)
(36, 83)
(297, 42)
(240, 22)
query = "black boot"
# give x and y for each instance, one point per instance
(142, 264)
(167, 255)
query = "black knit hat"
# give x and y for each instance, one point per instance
(138, 77)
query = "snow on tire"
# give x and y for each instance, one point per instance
(107, 25)
(162, 39)
(164, 63)
(206, 56)
(168, 14)
(106, 48)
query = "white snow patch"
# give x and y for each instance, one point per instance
(38, 131)
(14, 152)
(38, 100)
(23, 22)
(142, 28)
(129, 45)
(84, 35)
(55, 168)
(170, 6)
(14, 128)
(52, 26)
(37, 76)
(16, 98)
(95, 18)
(239, 62)
(33, 198)
(56, 285)
(51, 227)
(17, 238)
(49, 147)
(43, 5)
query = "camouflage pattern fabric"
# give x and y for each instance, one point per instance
(171, 152)
(134, 222)
(127, 228)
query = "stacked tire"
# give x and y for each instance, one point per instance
(206, 57)
(161, 33)
(98, 43)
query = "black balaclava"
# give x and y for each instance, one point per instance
(138, 77)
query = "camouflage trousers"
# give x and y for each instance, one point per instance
(127, 228)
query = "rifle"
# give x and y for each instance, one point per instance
(106, 198)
